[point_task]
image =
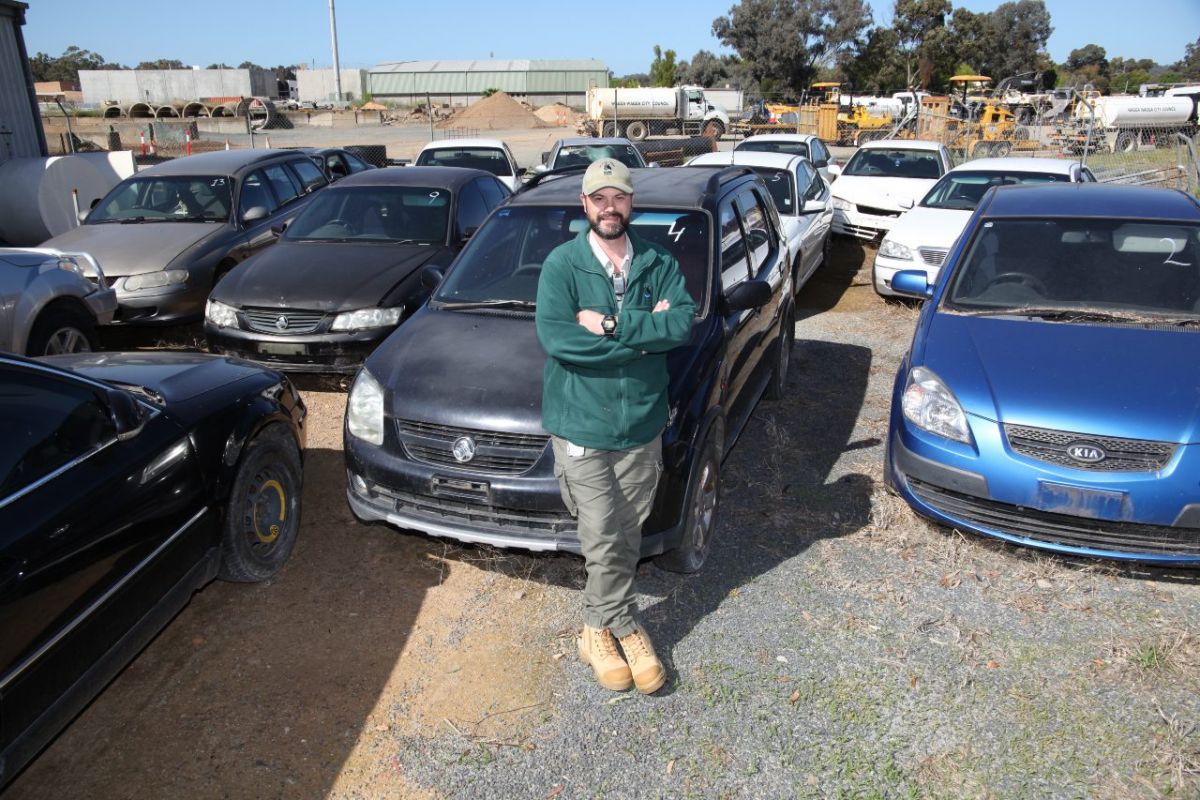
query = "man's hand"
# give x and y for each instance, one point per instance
(590, 320)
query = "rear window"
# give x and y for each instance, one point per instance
(791, 148)
(895, 163)
(487, 159)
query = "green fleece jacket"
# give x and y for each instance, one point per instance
(609, 393)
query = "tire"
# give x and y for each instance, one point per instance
(699, 512)
(1021, 134)
(262, 515)
(1001, 149)
(608, 129)
(1025, 115)
(62, 330)
(637, 130)
(713, 129)
(1126, 142)
(777, 386)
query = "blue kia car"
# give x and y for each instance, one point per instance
(1051, 396)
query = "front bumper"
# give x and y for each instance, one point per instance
(103, 304)
(339, 353)
(986, 488)
(167, 305)
(864, 222)
(885, 268)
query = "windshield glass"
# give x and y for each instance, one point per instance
(504, 258)
(770, 146)
(894, 163)
(410, 214)
(580, 155)
(1133, 269)
(962, 191)
(176, 198)
(782, 188)
(488, 159)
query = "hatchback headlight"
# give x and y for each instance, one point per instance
(893, 249)
(364, 408)
(931, 406)
(842, 205)
(155, 280)
(367, 318)
(221, 315)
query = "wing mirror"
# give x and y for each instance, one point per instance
(468, 233)
(126, 414)
(83, 214)
(906, 203)
(254, 214)
(748, 294)
(912, 283)
(431, 277)
(279, 227)
(834, 170)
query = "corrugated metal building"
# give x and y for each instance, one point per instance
(21, 133)
(463, 82)
(167, 85)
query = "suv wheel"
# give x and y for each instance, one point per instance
(62, 330)
(700, 512)
(777, 388)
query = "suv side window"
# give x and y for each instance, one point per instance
(310, 174)
(818, 155)
(471, 208)
(758, 230)
(735, 261)
(286, 187)
(46, 423)
(256, 192)
(494, 192)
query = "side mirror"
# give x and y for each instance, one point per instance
(905, 203)
(431, 277)
(95, 202)
(126, 414)
(545, 158)
(279, 227)
(468, 233)
(255, 213)
(912, 283)
(814, 206)
(539, 169)
(748, 294)
(83, 214)
(654, 165)
(834, 170)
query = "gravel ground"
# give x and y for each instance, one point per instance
(835, 645)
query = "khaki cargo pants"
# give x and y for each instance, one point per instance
(610, 493)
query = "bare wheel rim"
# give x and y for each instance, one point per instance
(267, 509)
(67, 340)
(704, 507)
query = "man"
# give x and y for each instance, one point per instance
(609, 307)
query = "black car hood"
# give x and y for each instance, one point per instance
(324, 276)
(466, 369)
(176, 377)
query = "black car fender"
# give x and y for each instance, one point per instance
(256, 412)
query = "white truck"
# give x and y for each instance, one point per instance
(1124, 123)
(638, 113)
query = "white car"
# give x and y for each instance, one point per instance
(924, 236)
(883, 180)
(796, 144)
(489, 155)
(802, 198)
(51, 301)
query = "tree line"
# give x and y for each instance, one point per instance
(65, 68)
(783, 46)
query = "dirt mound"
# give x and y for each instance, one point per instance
(556, 114)
(498, 112)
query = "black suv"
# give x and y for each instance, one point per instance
(443, 424)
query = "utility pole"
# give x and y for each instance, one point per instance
(337, 71)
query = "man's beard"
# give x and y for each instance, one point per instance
(622, 225)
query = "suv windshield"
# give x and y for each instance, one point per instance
(504, 259)
(791, 148)
(962, 191)
(580, 155)
(409, 214)
(894, 163)
(488, 159)
(1080, 269)
(174, 198)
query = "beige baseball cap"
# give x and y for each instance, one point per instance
(607, 173)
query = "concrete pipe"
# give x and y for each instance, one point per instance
(139, 111)
(166, 111)
(113, 112)
(196, 109)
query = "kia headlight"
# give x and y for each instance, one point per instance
(893, 249)
(155, 280)
(931, 406)
(842, 205)
(364, 408)
(221, 315)
(367, 318)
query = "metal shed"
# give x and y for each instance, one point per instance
(21, 134)
(463, 82)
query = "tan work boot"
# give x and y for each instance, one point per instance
(648, 673)
(598, 648)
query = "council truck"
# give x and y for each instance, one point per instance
(638, 113)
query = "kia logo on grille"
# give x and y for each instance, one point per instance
(281, 323)
(1087, 452)
(463, 449)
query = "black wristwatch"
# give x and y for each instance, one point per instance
(609, 324)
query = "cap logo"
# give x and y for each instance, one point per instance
(607, 168)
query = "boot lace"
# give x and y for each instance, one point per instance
(605, 644)
(635, 646)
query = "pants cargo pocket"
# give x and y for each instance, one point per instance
(560, 474)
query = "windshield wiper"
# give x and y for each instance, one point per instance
(144, 391)
(1056, 314)
(523, 305)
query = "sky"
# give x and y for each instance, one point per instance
(621, 33)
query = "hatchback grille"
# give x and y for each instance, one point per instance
(496, 452)
(266, 320)
(1043, 526)
(878, 212)
(933, 256)
(456, 512)
(1121, 455)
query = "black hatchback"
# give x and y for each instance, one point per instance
(347, 271)
(443, 426)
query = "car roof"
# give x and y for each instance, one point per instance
(218, 162)
(671, 187)
(900, 144)
(747, 158)
(596, 140)
(448, 177)
(777, 137)
(1092, 200)
(448, 144)
(1053, 166)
